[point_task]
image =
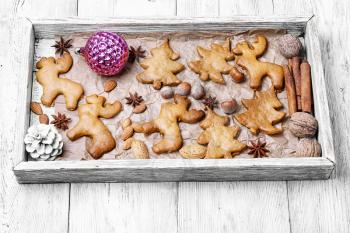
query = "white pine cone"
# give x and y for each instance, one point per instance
(43, 142)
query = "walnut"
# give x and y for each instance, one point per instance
(289, 45)
(303, 125)
(308, 147)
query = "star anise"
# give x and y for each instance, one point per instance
(210, 102)
(136, 54)
(62, 45)
(60, 121)
(134, 99)
(258, 149)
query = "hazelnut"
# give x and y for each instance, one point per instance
(289, 45)
(183, 89)
(229, 106)
(236, 75)
(308, 147)
(140, 108)
(197, 91)
(303, 125)
(167, 92)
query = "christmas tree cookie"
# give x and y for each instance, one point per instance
(261, 113)
(161, 68)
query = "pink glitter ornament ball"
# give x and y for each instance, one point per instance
(106, 53)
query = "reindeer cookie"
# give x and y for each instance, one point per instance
(167, 124)
(214, 62)
(91, 126)
(246, 56)
(161, 68)
(47, 76)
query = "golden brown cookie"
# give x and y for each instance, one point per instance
(214, 62)
(47, 75)
(212, 118)
(167, 124)
(261, 112)
(219, 137)
(246, 56)
(91, 126)
(161, 68)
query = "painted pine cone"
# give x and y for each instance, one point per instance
(43, 142)
(106, 53)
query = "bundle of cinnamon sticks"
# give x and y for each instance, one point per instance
(297, 76)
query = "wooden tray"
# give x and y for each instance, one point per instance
(29, 32)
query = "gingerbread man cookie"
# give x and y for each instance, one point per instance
(214, 62)
(246, 56)
(161, 68)
(261, 113)
(53, 86)
(167, 124)
(219, 138)
(91, 126)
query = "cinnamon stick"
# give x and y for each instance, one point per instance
(290, 89)
(297, 79)
(306, 92)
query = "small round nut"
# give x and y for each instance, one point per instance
(229, 106)
(183, 89)
(308, 147)
(197, 91)
(289, 45)
(236, 75)
(140, 108)
(167, 92)
(303, 125)
(44, 119)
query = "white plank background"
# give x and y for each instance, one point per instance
(294, 207)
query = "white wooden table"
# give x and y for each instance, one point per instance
(295, 207)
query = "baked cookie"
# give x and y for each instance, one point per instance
(246, 56)
(91, 126)
(161, 68)
(47, 75)
(219, 138)
(167, 124)
(213, 62)
(261, 112)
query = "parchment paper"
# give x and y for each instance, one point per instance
(185, 44)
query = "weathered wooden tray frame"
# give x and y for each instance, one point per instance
(27, 31)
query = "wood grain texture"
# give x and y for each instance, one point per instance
(24, 206)
(177, 170)
(252, 207)
(135, 208)
(244, 7)
(197, 8)
(140, 8)
(93, 8)
(29, 208)
(323, 206)
(316, 206)
(48, 28)
(48, 8)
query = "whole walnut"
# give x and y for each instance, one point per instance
(289, 45)
(308, 147)
(303, 125)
